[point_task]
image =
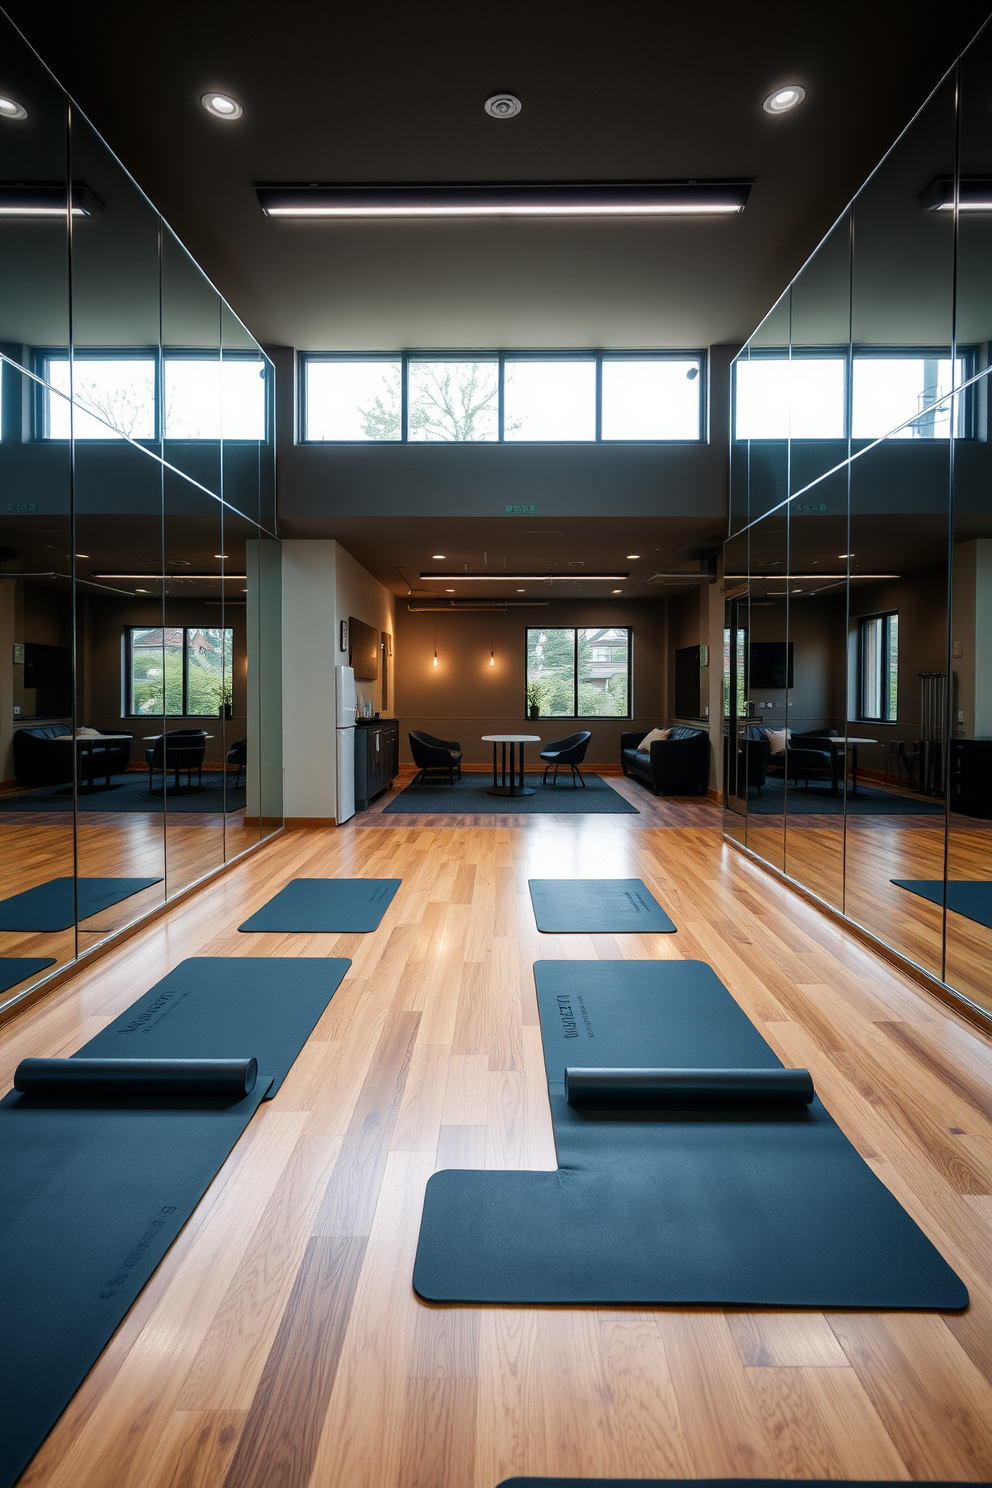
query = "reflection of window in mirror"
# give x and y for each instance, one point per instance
(179, 671)
(879, 667)
(735, 667)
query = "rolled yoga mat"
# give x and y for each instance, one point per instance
(211, 1005)
(56, 905)
(596, 906)
(657, 1089)
(98, 1079)
(750, 1206)
(314, 906)
(969, 897)
(14, 969)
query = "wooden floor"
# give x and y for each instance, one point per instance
(280, 1343)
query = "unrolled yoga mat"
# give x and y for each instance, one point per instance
(700, 1483)
(969, 897)
(14, 969)
(93, 1198)
(325, 905)
(225, 1007)
(680, 1206)
(596, 906)
(53, 905)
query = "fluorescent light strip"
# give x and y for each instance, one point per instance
(659, 209)
(6, 211)
(826, 578)
(157, 577)
(522, 578)
(974, 194)
(513, 199)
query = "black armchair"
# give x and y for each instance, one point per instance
(679, 764)
(754, 751)
(570, 751)
(435, 754)
(238, 755)
(180, 751)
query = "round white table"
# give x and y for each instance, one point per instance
(510, 782)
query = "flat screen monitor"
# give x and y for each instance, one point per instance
(363, 650)
(770, 664)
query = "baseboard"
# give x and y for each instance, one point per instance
(970, 1012)
(714, 795)
(26, 999)
(308, 823)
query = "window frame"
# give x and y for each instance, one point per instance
(968, 355)
(884, 717)
(128, 689)
(44, 390)
(501, 357)
(576, 716)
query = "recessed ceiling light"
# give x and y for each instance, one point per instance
(437, 555)
(141, 591)
(633, 555)
(220, 555)
(11, 109)
(503, 106)
(845, 555)
(449, 591)
(784, 99)
(520, 591)
(82, 555)
(222, 105)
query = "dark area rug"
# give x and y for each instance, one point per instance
(130, 793)
(816, 800)
(468, 796)
(969, 897)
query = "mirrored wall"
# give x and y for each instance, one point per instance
(139, 571)
(858, 571)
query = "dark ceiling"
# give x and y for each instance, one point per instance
(395, 92)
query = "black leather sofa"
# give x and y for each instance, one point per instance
(678, 765)
(41, 757)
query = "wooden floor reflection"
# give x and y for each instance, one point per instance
(275, 1348)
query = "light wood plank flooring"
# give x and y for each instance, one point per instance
(280, 1343)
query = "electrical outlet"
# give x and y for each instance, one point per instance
(957, 648)
(17, 710)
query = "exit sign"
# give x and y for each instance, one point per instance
(809, 508)
(521, 511)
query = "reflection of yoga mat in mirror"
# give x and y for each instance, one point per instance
(596, 906)
(314, 906)
(55, 905)
(969, 897)
(14, 969)
(754, 1205)
(210, 1005)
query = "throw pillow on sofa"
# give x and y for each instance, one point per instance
(778, 739)
(649, 739)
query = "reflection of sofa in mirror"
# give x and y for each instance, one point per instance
(753, 751)
(809, 756)
(42, 755)
(678, 765)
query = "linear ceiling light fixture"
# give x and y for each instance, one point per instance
(974, 194)
(157, 577)
(516, 199)
(516, 578)
(45, 199)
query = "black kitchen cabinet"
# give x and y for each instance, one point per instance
(377, 757)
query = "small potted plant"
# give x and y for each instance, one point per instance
(535, 697)
(226, 708)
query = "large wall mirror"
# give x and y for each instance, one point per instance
(859, 567)
(139, 569)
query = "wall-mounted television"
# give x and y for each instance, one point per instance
(770, 664)
(363, 649)
(48, 669)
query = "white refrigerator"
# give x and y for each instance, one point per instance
(345, 705)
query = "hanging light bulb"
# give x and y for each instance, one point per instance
(492, 659)
(492, 640)
(435, 658)
(435, 630)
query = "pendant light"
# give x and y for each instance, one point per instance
(435, 630)
(492, 638)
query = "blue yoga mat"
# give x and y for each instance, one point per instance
(93, 1198)
(226, 1007)
(308, 906)
(700, 1483)
(596, 906)
(53, 905)
(969, 897)
(754, 1206)
(14, 969)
